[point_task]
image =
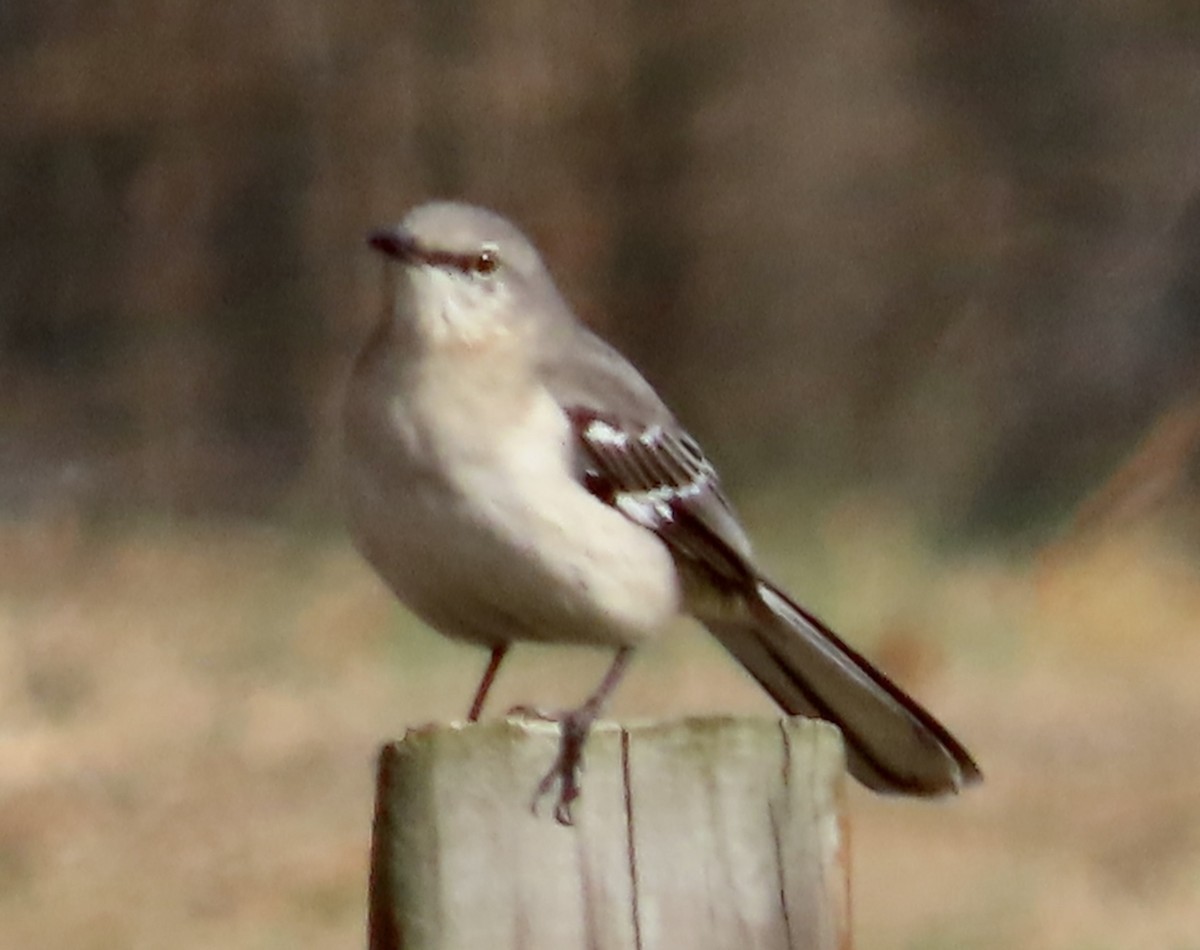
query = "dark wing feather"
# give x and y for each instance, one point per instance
(637, 458)
(634, 456)
(657, 476)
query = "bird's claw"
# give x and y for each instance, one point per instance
(568, 791)
(535, 713)
(567, 764)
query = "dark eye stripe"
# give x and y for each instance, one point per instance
(485, 262)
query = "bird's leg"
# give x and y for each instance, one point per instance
(575, 725)
(485, 684)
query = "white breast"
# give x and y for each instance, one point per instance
(461, 495)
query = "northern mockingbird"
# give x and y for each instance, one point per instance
(513, 477)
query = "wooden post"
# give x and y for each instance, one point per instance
(708, 834)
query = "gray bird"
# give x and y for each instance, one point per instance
(513, 477)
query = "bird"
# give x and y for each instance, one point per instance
(513, 478)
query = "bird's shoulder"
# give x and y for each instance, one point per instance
(634, 455)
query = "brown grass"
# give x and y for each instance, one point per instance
(188, 718)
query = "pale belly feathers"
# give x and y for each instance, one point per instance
(484, 533)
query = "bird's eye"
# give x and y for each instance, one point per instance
(486, 261)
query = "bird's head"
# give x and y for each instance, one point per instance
(468, 274)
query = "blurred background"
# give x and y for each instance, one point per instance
(924, 279)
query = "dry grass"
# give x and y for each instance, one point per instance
(188, 719)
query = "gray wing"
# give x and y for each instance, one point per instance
(634, 456)
(657, 477)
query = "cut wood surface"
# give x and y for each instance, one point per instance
(703, 833)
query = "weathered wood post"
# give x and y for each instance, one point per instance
(706, 834)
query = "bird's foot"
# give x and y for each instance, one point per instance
(575, 724)
(536, 713)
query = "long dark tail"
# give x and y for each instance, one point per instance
(892, 744)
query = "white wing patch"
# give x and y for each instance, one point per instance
(660, 479)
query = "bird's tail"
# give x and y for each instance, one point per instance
(892, 744)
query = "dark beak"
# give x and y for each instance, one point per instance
(395, 243)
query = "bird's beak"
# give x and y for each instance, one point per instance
(395, 243)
